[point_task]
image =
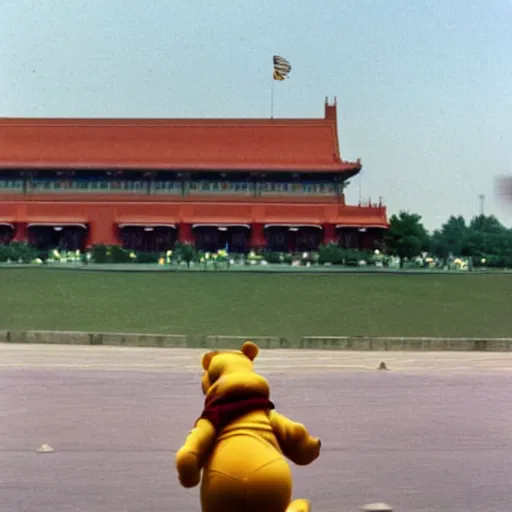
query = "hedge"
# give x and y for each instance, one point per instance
(18, 252)
(327, 254)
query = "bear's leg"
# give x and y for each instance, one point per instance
(269, 488)
(299, 506)
(221, 493)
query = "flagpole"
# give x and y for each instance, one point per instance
(360, 188)
(272, 89)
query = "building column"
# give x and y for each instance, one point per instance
(258, 240)
(329, 232)
(20, 232)
(102, 232)
(185, 233)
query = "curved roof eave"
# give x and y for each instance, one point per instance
(348, 169)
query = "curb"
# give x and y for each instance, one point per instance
(271, 269)
(347, 343)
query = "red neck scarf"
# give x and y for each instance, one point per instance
(223, 412)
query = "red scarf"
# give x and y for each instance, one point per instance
(223, 412)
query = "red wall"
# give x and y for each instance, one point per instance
(103, 215)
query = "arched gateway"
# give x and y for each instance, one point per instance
(241, 184)
(6, 232)
(147, 237)
(63, 237)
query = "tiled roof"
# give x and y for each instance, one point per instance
(174, 144)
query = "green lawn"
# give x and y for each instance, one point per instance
(257, 304)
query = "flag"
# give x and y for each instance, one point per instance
(281, 68)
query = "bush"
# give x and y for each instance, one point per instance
(314, 257)
(110, 254)
(5, 252)
(18, 252)
(330, 253)
(185, 252)
(288, 258)
(99, 253)
(253, 258)
(493, 261)
(148, 257)
(117, 254)
(336, 255)
(352, 257)
(273, 257)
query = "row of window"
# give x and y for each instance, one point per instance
(167, 187)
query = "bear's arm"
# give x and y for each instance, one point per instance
(294, 439)
(191, 456)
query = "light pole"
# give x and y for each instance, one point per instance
(481, 197)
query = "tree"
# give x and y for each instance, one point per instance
(488, 239)
(451, 239)
(406, 236)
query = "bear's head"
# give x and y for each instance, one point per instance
(230, 373)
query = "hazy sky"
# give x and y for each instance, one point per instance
(424, 88)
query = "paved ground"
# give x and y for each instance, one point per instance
(432, 434)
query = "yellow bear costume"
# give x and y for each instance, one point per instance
(240, 442)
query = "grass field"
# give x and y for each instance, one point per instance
(257, 304)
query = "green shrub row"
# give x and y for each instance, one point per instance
(331, 253)
(116, 254)
(327, 254)
(20, 252)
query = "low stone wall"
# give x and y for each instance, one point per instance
(235, 342)
(265, 342)
(95, 338)
(407, 344)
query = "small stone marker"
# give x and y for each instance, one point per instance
(382, 366)
(45, 448)
(376, 507)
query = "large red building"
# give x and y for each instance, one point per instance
(145, 183)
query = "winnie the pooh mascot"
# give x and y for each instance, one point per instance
(241, 443)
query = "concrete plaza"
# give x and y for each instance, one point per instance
(431, 434)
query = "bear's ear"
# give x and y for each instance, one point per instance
(250, 350)
(207, 359)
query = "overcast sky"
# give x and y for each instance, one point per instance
(424, 88)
